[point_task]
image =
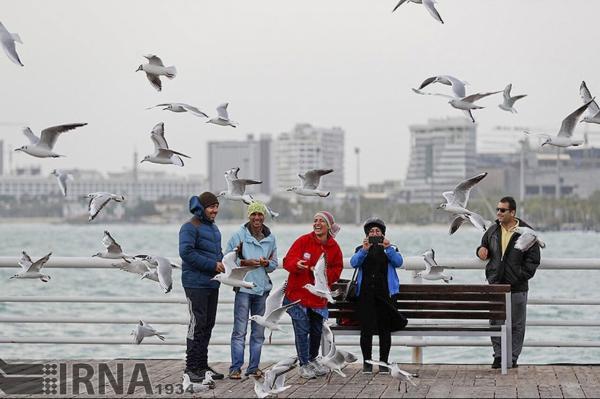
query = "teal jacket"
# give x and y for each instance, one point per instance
(253, 249)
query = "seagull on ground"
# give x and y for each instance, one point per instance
(61, 178)
(593, 111)
(528, 237)
(234, 274)
(32, 269)
(8, 44)
(273, 310)
(456, 203)
(181, 107)
(99, 200)
(41, 147)
(236, 187)
(154, 69)
(222, 118)
(274, 381)
(113, 249)
(432, 270)
(429, 6)
(397, 373)
(143, 330)
(336, 359)
(321, 286)
(310, 183)
(162, 153)
(193, 387)
(509, 101)
(564, 138)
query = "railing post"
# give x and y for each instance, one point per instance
(417, 351)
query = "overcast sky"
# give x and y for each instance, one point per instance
(344, 63)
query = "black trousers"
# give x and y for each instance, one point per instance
(202, 305)
(385, 344)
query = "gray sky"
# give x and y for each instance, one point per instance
(344, 63)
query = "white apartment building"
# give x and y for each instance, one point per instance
(307, 147)
(443, 153)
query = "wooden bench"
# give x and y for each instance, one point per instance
(427, 305)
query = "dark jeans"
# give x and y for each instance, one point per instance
(202, 305)
(366, 345)
(307, 331)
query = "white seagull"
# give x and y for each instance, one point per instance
(509, 101)
(32, 269)
(234, 274)
(113, 249)
(181, 107)
(464, 103)
(274, 381)
(154, 69)
(432, 270)
(273, 310)
(335, 359)
(527, 238)
(310, 183)
(193, 387)
(321, 287)
(456, 203)
(429, 6)
(41, 147)
(8, 44)
(236, 187)
(564, 138)
(162, 153)
(397, 373)
(99, 200)
(271, 212)
(222, 118)
(61, 178)
(593, 111)
(155, 268)
(143, 330)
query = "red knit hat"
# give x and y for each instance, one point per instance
(334, 228)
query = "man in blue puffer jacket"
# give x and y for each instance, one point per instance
(200, 250)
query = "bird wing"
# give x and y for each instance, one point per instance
(430, 6)
(158, 137)
(477, 96)
(379, 363)
(478, 221)
(38, 264)
(424, 93)
(111, 245)
(429, 257)
(319, 271)
(137, 266)
(229, 262)
(154, 81)
(222, 111)
(514, 99)
(25, 262)
(62, 182)
(275, 315)
(328, 338)
(238, 186)
(165, 273)
(154, 60)
(456, 223)
(8, 44)
(569, 123)
(193, 110)
(586, 96)
(97, 203)
(275, 299)
(450, 197)
(50, 134)
(506, 93)
(463, 189)
(33, 139)
(313, 177)
(399, 4)
(458, 86)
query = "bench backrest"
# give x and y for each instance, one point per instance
(437, 301)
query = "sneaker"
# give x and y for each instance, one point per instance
(367, 368)
(254, 373)
(215, 375)
(235, 375)
(383, 370)
(306, 371)
(497, 363)
(318, 368)
(194, 377)
(515, 365)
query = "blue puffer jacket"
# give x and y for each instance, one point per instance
(394, 260)
(200, 249)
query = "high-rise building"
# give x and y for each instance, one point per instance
(307, 147)
(253, 157)
(443, 153)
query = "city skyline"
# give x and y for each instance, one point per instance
(348, 64)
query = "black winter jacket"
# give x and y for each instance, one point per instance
(515, 267)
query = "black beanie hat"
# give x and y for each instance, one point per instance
(207, 199)
(372, 222)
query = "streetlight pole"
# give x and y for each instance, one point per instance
(357, 152)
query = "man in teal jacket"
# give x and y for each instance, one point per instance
(257, 249)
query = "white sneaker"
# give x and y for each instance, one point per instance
(318, 368)
(306, 371)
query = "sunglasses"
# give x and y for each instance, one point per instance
(502, 210)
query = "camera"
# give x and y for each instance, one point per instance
(375, 239)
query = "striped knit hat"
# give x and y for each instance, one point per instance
(334, 228)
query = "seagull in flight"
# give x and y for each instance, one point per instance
(30, 269)
(509, 101)
(593, 111)
(99, 200)
(310, 183)
(432, 270)
(528, 237)
(274, 380)
(429, 6)
(273, 310)
(61, 178)
(236, 187)
(143, 330)
(181, 107)
(397, 373)
(456, 203)
(321, 286)
(155, 69)
(234, 274)
(222, 118)
(42, 147)
(113, 249)
(162, 154)
(564, 138)
(8, 44)
(335, 359)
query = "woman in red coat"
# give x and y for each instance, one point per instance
(308, 315)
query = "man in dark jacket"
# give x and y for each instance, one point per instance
(508, 265)
(200, 250)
